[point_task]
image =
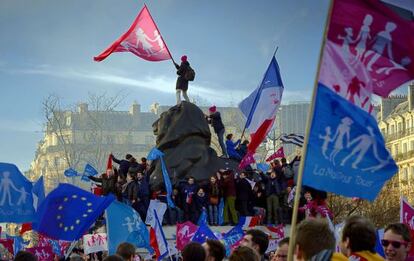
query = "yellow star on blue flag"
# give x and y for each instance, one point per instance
(68, 212)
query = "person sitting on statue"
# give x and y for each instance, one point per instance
(242, 149)
(231, 147)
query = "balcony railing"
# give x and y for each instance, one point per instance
(404, 156)
(399, 135)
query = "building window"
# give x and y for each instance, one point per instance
(412, 145)
(405, 173)
(68, 121)
(399, 126)
(396, 149)
(404, 147)
(412, 172)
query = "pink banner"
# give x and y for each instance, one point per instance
(42, 253)
(142, 39)
(280, 153)
(368, 50)
(407, 217)
(7, 244)
(185, 232)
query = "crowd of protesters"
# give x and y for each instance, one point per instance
(268, 196)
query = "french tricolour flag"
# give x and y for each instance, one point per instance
(246, 222)
(261, 106)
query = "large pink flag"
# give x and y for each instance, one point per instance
(142, 39)
(369, 49)
(407, 217)
(185, 232)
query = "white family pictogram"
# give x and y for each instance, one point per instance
(144, 44)
(360, 146)
(6, 184)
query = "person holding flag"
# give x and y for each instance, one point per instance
(182, 80)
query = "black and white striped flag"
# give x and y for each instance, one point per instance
(293, 138)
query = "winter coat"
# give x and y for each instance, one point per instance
(189, 191)
(143, 188)
(109, 184)
(244, 190)
(231, 149)
(123, 166)
(214, 191)
(275, 186)
(216, 122)
(228, 186)
(182, 83)
(200, 202)
(131, 190)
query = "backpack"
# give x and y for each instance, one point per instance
(288, 172)
(189, 74)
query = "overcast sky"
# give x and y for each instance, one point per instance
(46, 47)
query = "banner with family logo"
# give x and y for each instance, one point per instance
(93, 243)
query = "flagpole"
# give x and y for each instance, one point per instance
(159, 32)
(258, 93)
(292, 245)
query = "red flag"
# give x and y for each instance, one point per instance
(25, 227)
(247, 160)
(109, 163)
(142, 39)
(278, 154)
(407, 217)
(42, 253)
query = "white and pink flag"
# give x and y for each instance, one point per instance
(142, 39)
(185, 232)
(407, 217)
(93, 243)
(369, 49)
(280, 153)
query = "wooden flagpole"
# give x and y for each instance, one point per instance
(292, 244)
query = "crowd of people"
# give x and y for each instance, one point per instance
(268, 195)
(314, 240)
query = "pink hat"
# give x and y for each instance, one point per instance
(212, 109)
(184, 58)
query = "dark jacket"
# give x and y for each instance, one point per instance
(131, 190)
(143, 188)
(216, 122)
(123, 166)
(109, 184)
(189, 191)
(275, 186)
(200, 202)
(182, 83)
(244, 190)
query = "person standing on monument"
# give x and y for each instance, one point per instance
(214, 118)
(182, 82)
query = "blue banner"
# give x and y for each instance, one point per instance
(125, 225)
(70, 173)
(16, 199)
(346, 153)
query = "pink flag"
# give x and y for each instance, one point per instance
(368, 50)
(142, 39)
(277, 232)
(247, 160)
(407, 217)
(185, 232)
(42, 253)
(278, 154)
(7, 244)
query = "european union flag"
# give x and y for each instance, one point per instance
(202, 234)
(16, 200)
(221, 212)
(202, 219)
(125, 225)
(68, 212)
(346, 153)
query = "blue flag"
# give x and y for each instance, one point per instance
(38, 191)
(68, 212)
(18, 243)
(157, 154)
(220, 213)
(263, 167)
(232, 237)
(346, 153)
(203, 218)
(70, 173)
(203, 233)
(378, 246)
(89, 170)
(16, 200)
(125, 225)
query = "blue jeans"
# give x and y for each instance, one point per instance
(213, 214)
(220, 135)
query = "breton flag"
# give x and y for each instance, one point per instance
(261, 106)
(142, 39)
(368, 51)
(293, 139)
